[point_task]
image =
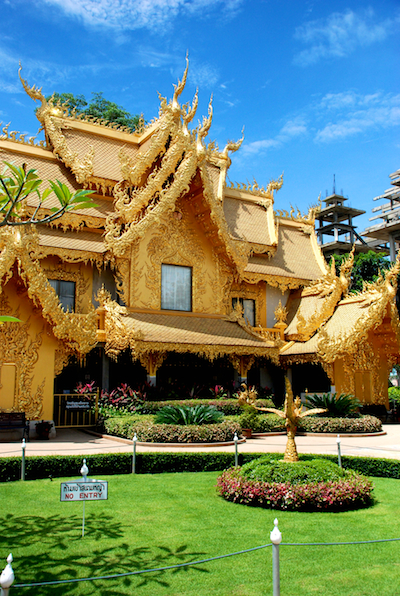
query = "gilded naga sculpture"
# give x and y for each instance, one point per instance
(292, 412)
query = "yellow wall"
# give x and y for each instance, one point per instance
(29, 347)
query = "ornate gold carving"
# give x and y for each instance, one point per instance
(254, 189)
(251, 292)
(74, 256)
(17, 347)
(329, 369)
(61, 359)
(52, 118)
(175, 243)
(65, 274)
(307, 218)
(329, 290)
(152, 361)
(277, 281)
(77, 331)
(242, 364)
(280, 313)
(118, 335)
(12, 136)
(292, 411)
(71, 221)
(155, 181)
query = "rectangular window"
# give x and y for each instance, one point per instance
(176, 287)
(65, 291)
(249, 309)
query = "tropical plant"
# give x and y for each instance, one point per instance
(336, 406)
(185, 415)
(17, 184)
(85, 388)
(218, 392)
(122, 398)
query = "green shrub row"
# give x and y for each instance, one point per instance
(365, 424)
(149, 432)
(127, 425)
(230, 407)
(155, 463)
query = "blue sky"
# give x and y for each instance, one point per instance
(313, 83)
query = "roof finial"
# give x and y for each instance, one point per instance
(181, 85)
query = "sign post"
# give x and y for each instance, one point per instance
(87, 489)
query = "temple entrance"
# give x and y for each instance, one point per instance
(309, 377)
(188, 375)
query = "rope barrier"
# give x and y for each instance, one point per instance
(199, 562)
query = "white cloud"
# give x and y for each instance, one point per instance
(292, 128)
(137, 14)
(202, 75)
(356, 114)
(339, 34)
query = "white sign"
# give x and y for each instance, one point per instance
(91, 490)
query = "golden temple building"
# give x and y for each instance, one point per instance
(175, 274)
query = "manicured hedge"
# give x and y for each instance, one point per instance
(155, 463)
(364, 424)
(230, 407)
(147, 431)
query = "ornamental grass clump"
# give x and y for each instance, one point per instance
(186, 415)
(344, 405)
(295, 486)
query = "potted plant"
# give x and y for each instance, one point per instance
(43, 429)
(248, 420)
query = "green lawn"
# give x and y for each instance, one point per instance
(154, 521)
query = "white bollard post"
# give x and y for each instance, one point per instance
(134, 454)
(84, 472)
(7, 577)
(23, 460)
(276, 539)
(339, 452)
(235, 439)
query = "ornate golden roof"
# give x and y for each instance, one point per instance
(296, 262)
(354, 318)
(316, 304)
(20, 245)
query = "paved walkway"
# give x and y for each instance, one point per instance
(76, 442)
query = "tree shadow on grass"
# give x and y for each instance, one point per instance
(89, 559)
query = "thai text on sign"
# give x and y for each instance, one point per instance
(92, 490)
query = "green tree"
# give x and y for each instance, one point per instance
(17, 184)
(366, 268)
(99, 107)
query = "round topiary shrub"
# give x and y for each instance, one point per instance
(315, 485)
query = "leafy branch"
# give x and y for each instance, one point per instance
(17, 184)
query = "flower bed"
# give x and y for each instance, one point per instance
(353, 491)
(147, 431)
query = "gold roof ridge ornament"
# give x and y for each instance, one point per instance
(156, 179)
(331, 288)
(254, 188)
(51, 118)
